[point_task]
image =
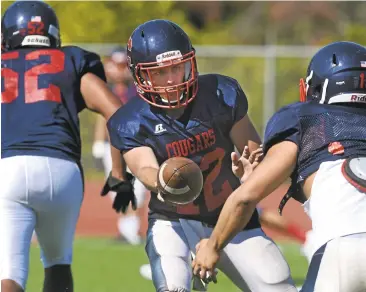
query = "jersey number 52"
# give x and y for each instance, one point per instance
(32, 93)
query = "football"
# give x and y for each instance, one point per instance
(180, 181)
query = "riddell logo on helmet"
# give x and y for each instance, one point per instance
(166, 56)
(358, 98)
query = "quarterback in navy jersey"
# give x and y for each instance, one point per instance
(44, 88)
(320, 143)
(202, 118)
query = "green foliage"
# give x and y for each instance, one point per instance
(109, 21)
(289, 72)
(355, 33)
(242, 23)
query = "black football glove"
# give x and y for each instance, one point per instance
(124, 192)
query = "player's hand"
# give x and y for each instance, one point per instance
(205, 261)
(244, 165)
(160, 196)
(124, 192)
(159, 193)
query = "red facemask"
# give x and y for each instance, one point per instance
(302, 87)
(168, 96)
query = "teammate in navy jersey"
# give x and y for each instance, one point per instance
(44, 87)
(203, 118)
(320, 143)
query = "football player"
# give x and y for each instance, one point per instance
(201, 117)
(44, 87)
(320, 143)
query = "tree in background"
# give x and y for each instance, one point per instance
(220, 23)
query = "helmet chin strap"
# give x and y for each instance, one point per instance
(324, 91)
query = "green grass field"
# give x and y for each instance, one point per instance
(102, 265)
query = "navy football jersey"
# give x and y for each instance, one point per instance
(41, 99)
(201, 134)
(322, 133)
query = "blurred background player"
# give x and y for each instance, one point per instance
(42, 178)
(121, 83)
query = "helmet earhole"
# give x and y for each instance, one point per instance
(334, 61)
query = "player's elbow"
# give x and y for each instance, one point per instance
(97, 96)
(242, 206)
(248, 203)
(248, 199)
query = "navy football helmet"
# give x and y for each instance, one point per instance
(29, 23)
(336, 74)
(157, 48)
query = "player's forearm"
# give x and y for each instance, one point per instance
(254, 140)
(233, 218)
(239, 207)
(148, 176)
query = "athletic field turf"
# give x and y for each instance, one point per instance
(104, 265)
